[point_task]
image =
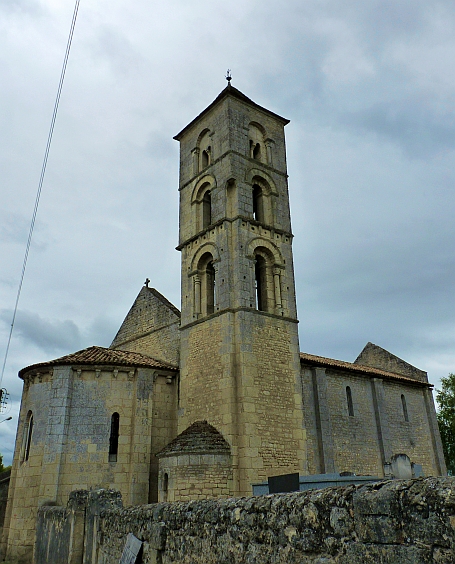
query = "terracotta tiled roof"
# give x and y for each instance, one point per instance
(229, 91)
(198, 438)
(102, 356)
(314, 360)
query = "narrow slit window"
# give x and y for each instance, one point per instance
(165, 486)
(349, 401)
(28, 437)
(405, 408)
(258, 203)
(260, 270)
(207, 209)
(113, 439)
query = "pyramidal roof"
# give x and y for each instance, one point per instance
(235, 93)
(198, 438)
(101, 355)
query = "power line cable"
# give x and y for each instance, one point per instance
(41, 180)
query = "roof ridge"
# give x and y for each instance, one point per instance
(102, 355)
(236, 93)
(165, 301)
(358, 367)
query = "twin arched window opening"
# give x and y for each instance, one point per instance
(113, 438)
(255, 151)
(205, 286)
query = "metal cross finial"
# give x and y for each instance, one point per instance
(147, 282)
(229, 77)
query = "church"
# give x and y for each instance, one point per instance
(211, 399)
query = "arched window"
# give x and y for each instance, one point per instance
(207, 209)
(113, 439)
(256, 136)
(260, 274)
(205, 295)
(205, 160)
(258, 203)
(28, 432)
(202, 154)
(405, 408)
(349, 401)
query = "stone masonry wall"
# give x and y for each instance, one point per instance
(151, 327)
(402, 522)
(4, 484)
(197, 476)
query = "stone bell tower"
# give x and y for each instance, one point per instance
(239, 341)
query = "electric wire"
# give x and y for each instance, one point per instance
(41, 180)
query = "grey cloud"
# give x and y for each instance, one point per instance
(415, 127)
(50, 336)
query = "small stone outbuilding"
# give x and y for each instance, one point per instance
(197, 464)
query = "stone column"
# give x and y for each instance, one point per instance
(197, 296)
(277, 282)
(382, 422)
(57, 433)
(323, 422)
(269, 149)
(216, 297)
(440, 463)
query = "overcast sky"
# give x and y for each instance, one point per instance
(369, 88)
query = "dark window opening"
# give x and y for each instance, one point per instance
(260, 271)
(205, 158)
(207, 209)
(258, 203)
(257, 152)
(210, 282)
(28, 439)
(349, 400)
(113, 439)
(405, 408)
(165, 486)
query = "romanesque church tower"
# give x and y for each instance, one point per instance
(239, 365)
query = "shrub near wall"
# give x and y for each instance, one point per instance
(388, 522)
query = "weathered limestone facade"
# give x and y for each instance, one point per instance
(66, 438)
(205, 402)
(238, 298)
(197, 464)
(389, 413)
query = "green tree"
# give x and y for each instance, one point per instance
(1, 463)
(446, 419)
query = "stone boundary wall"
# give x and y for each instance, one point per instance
(4, 485)
(396, 521)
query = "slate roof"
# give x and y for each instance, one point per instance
(314, 360)
(103, 356)
(198, 438)
(229, 91)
